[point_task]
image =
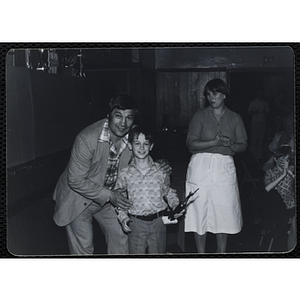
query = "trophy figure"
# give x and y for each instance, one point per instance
(181, 206)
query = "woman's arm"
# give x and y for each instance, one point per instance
(194, 141)
(238, 147)
(196, 145)
(240, 144)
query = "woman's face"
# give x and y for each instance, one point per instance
(215, 99)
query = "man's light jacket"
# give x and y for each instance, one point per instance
(82, 182)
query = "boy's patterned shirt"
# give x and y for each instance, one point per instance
(285, 187)
(147, 191)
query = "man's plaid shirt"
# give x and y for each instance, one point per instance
(114, 156)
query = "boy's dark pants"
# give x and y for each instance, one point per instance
(149, 235)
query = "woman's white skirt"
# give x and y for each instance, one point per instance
(216, 207)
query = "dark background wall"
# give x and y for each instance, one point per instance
(46, 109)
(224, 57)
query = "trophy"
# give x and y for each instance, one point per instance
(181, 206)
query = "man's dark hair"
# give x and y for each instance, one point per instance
(123, 102)
(137, 130)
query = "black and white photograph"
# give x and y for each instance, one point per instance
(151, 150)
(136, 81)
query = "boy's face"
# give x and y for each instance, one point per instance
(141, 147)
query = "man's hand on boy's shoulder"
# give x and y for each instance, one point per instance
(164, 165)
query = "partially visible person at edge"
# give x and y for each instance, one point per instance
(279, 183)
(282, 138)
(215, 134)
(85, 190)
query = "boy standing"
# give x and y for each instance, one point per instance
(146, 187)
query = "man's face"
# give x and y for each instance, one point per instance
(121, 121)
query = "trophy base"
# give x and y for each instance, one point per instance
(167, 221)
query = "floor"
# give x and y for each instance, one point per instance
(32, 232)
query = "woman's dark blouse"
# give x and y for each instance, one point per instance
(204, 126)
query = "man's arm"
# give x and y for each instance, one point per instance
(79, 181)
(118, 197)
(78, 171)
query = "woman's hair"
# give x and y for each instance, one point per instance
(283, 151)
(216, 85)
(137, 130)
(123, 102)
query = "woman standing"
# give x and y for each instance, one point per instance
(215, 134)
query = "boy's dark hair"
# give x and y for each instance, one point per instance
(123, 102)
(283, 151)
(216, 85)
(137, 130)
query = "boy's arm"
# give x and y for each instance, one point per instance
(290, 171)
(269, 184)
(169, 193)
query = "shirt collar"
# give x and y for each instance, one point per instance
(225, 110)
(151, 161)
